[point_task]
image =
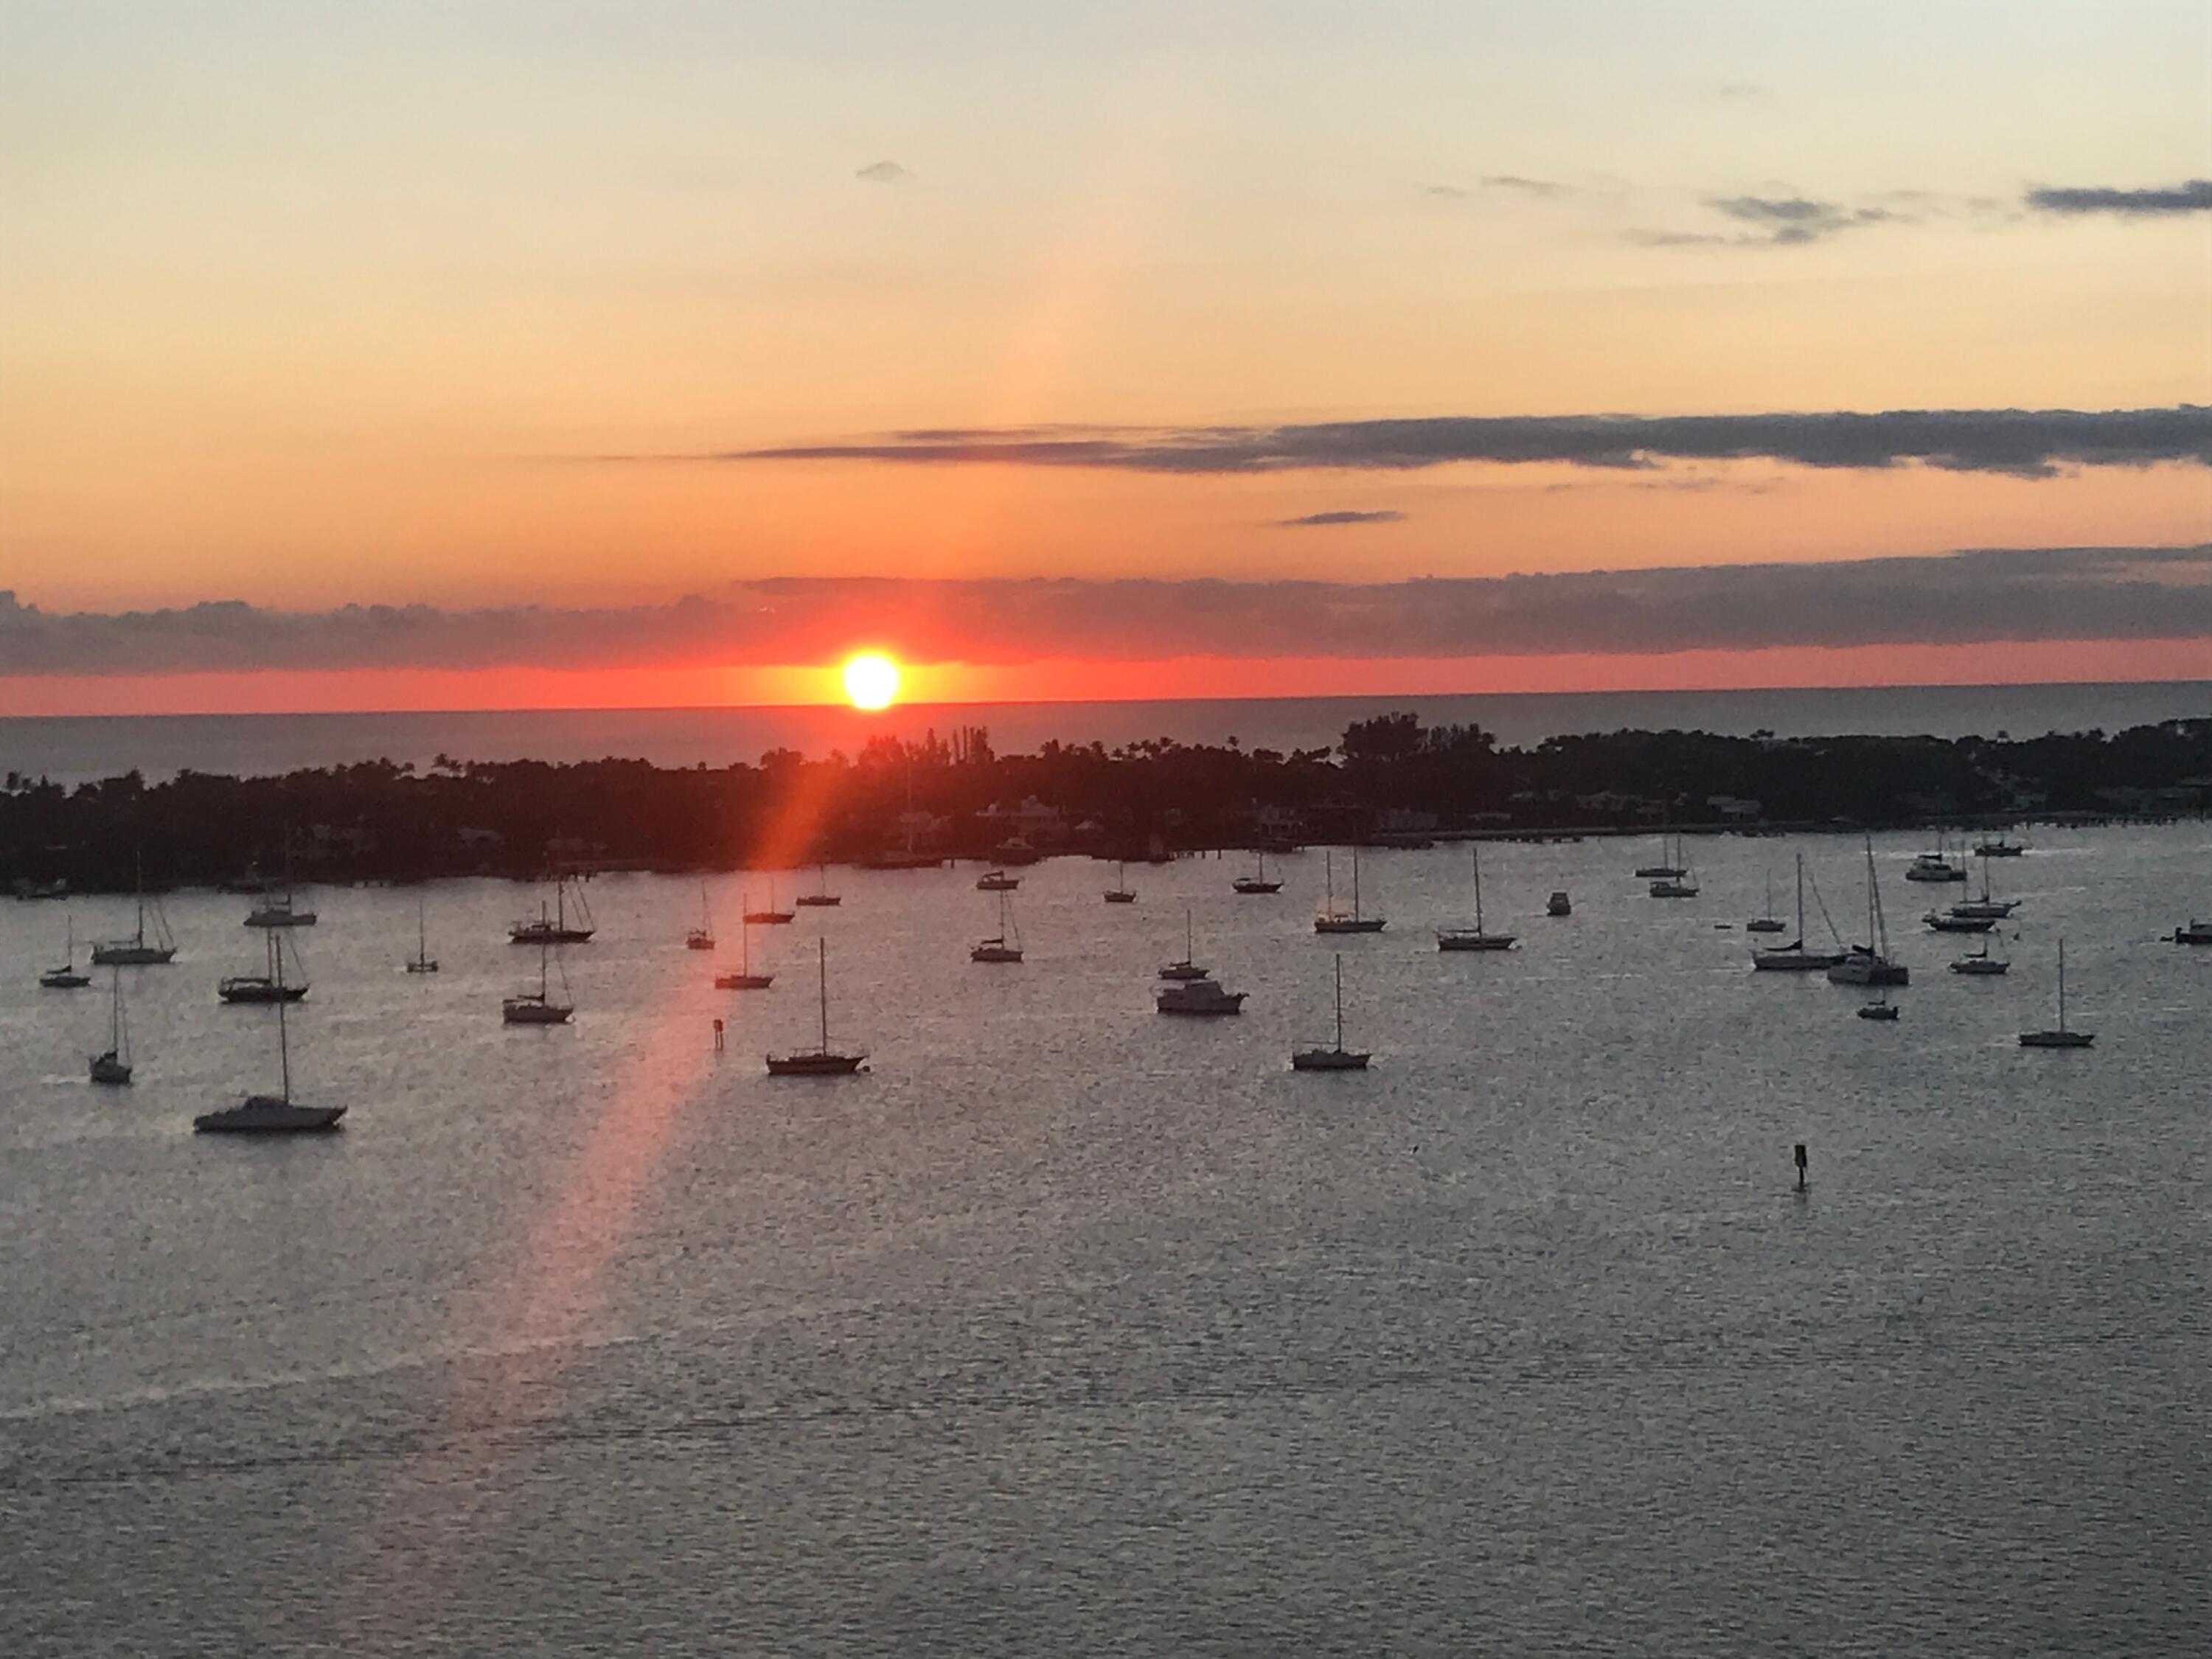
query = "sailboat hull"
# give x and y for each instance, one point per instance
(531, 932)
(817, 900)
(62, 980)
(133, 955)
(1328, 1059)
(108, 1069)
(1860, 968)
(1348, 925)
(256, 989)
(1795, 962)
(1252, 885)
(817, 1065)
(529, 1012)
(1448, 940)
(743, 982)
(264, 1114)
(2056, 1039)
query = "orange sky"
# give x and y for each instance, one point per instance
(307, 309)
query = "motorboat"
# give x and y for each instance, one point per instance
(1336, 1057)
(1197, 996)
(2196, 933)
(1936, 866)
(1559, 904)
(1999, 848)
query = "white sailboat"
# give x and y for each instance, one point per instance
(1336, 1057)
(138, 951)
(1794, 957)
(821, 1060)
(1477, 938)
(540, 1007)
(113, 1067)
(2061, 1036)
(1006, 944)
(701, 937)
(66, 977)
(277, 1114)
(1870, 963)
(745, 978)
(1188, 970)
(1332, 921)
(422, 962)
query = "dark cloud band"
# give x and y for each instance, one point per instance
(2022, 442)
(1958, 599)
(2193, 196)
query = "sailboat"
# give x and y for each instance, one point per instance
(422, 962)
(1005, 945)
(1767, 921)
(1336, 1057)
(1880, 1008)
(1950, 921)
(745, 978)
(1683, 884)
(539, 1007)
(996, 881)
(1331, 920)
(276, 1114)
(552, 925)
(1671, 866)
(2061, 1037)
(282, 911)
(771, 917)
(822, 1061)
(1980, 963)
(1995, 910)
(1999, 848)
(1186, 970)
(1870, 963)
(114, 1065)
(701, 937)
(1476, 938)
(1121, 892)
(138, 951)
(266, 986)
(1794, 957)
(66, 977)
(822, 896)
(1257, 882)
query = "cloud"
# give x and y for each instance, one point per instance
(1313, 521)
(883, 173)
(2193, 196)
(2024, 443)
(1544, 187)
(2024, 595)
(1788, 221)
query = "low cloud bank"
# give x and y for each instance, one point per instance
(2022, 442)
(1962, 598)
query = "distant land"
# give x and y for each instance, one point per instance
(1389, 778)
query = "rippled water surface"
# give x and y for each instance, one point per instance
(1071, 1328)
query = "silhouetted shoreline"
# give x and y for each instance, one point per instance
(1389, 780)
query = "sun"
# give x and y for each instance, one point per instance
(872, 680)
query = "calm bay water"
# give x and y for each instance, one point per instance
(71, 748)
(1071, 1328)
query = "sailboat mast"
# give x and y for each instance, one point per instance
(1355, 881)
(2062, 984)
(821, 959)
(1339, 1001)
(138, 868)
(1801, 900)
(1478, 894)
(284, 1051)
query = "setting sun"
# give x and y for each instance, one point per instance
(872, 680)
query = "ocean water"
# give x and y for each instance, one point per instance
(1070, 1327)
(71, 748)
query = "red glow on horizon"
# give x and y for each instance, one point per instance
(1066, 680)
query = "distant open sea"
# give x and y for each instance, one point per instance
(69, 749)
